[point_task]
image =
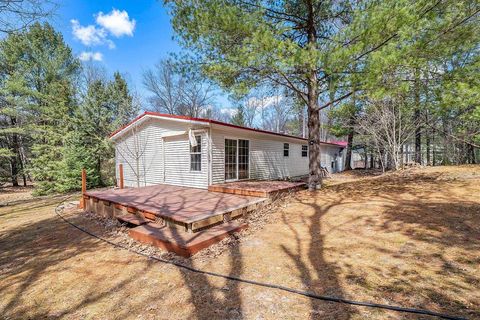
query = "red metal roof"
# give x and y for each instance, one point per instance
(173, 116)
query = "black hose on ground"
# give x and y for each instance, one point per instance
(263, 284)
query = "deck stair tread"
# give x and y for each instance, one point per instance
(133, 219)
(181, 242)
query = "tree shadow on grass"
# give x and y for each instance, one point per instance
(424, 209)
(209, 300)
(317, 275)
(34, 254)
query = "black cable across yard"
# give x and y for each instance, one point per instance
(263, 284)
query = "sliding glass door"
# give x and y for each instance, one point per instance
(231, 159)
(237, 159)
(243, 159)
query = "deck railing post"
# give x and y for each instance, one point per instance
(84, 189)
(120, 174)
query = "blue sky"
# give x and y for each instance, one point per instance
(128, 36)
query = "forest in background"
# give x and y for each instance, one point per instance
(389, 77)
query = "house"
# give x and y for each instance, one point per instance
(177, 150)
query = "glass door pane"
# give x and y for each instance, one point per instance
(230, 159)
(243, 159)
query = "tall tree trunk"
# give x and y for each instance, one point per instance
(351, 126)
(418, 140)
(416, 115)
(348, 157)
(14, 160)
(14, 171)
(471, 154)
(427, 141)
(22, 169)
(23, 162)
(314, 178)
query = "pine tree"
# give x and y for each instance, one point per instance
(122, 99)
(239, 118)
(13, 135)
(50, 75)
(87, 144)
(106, 106)
(38, 85)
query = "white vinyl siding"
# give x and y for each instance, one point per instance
(267, 160)
(140, 153)
(148, 146)
(177, 163)
(160, 152)
(266, 155)
(331, 154)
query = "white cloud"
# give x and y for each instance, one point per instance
(229, 111)
(88, 55)
(116, 22)
(89, 35)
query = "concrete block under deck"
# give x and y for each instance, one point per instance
(183, 243)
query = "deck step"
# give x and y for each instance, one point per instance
(133, 219)
(181, 242)
(265, 189)
(238, 191)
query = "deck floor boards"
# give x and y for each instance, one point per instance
(181, 204)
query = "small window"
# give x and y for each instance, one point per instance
(196, 155)
(304, 151)
(286, 148)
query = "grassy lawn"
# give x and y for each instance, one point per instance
(411, 238)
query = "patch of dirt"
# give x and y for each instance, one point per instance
(410, 238)
(10, 195)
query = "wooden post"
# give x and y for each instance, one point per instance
(120, 174)
(84, 189)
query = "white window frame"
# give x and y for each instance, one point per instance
(286, 147)
(306, 155)
(196, 153)
(238, 146)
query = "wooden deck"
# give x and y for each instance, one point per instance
(184, 220)
(264, 189)
(189, 208)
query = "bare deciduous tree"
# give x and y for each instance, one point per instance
(165, 87)
(132, 151)
(196, 96)
(388, 124)
(18, 14)
(277, 113)
(177, 93)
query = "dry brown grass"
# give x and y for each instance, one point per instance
(410, 238)
(10, 195)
